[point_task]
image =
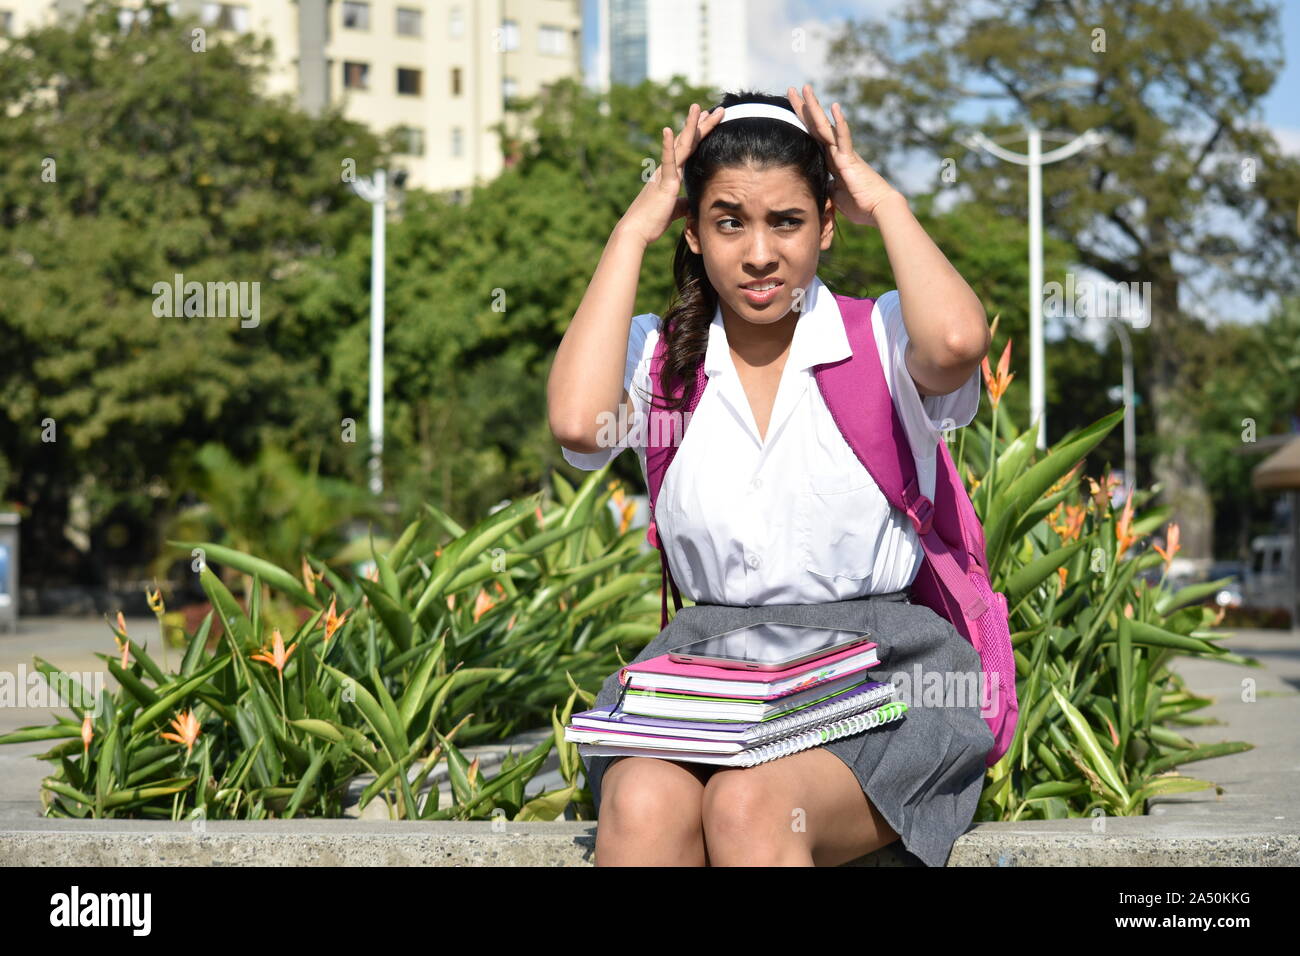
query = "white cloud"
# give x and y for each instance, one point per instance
(1288, 139)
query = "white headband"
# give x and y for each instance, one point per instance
(746, 110)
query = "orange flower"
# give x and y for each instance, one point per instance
(123, 645)
(511, 623)
(451, 601)
(187, 730)
(997, 384)
(1114, 737)
(541, 522)
(1062, 572)
(1171, 542)
(373, 574)
(1123, 532)
(277, 656)
(1070, 528)
(87, 733)
(333, 621)
(1128, 610)
(481, 604)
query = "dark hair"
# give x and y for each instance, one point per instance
(760, 141)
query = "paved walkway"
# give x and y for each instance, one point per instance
(1262, 786)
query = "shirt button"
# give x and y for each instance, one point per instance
(754, 561)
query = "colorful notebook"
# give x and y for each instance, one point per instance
(843, 727)
(663, 673)
(603, 727)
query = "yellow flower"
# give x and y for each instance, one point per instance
(155, 600)
(187, 730)
(277, 656)
(87, 733)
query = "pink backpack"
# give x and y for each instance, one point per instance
(953, 580)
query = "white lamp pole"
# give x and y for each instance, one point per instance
(1035, 159)
(1130, 425)
(374, 191)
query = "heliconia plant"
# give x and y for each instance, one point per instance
(1093, 642)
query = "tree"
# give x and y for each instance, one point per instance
(1176, 88)
(128, 158)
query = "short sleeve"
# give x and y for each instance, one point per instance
(925, 417)
(641, 340)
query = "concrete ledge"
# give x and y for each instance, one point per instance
(1131, 841)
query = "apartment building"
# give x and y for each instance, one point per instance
(703, 40)
(439, 71)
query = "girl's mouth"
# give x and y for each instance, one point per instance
(765, 292)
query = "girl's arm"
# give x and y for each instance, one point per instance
(947, 327)
(586, 378)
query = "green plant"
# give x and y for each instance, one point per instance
(448, 644)
(1093, 642)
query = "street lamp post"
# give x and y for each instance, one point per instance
(375, 192)
(1130, 424)
(1035, 159)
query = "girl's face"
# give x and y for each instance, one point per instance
(755, 227)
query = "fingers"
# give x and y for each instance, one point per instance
(812, 114)
(843, 136)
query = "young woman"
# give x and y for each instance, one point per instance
(766, 513)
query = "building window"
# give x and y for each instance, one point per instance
(552, 40)
(509, 35)
(455, 23)
(6, 22)
(356, 76)
(455, 81)
(409, 22)
(410, 140)
(509, 88)
(356, 16)
(408, 81)
(457, 146)
(226, 16)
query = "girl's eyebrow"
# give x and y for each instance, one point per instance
(735, 207)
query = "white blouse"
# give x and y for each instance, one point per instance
(795, 519)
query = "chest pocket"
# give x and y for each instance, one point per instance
(840, 524)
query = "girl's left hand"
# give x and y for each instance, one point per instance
(856, 188)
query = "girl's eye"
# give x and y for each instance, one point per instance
(797, 222)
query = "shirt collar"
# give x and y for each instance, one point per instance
(819, 334)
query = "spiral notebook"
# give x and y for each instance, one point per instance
(606, 726)
(843, 727)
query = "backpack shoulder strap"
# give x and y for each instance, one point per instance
(858, 397)
(665, 430)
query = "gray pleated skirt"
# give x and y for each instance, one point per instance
(923, 773)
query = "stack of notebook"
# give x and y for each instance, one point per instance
(734, 717)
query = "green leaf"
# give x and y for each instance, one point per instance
(273, 575)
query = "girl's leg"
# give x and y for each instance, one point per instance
(650, 813)
(804, 809)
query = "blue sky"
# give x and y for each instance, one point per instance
(774, 66)
(770, 58)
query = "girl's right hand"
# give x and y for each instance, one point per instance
(658, 204)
